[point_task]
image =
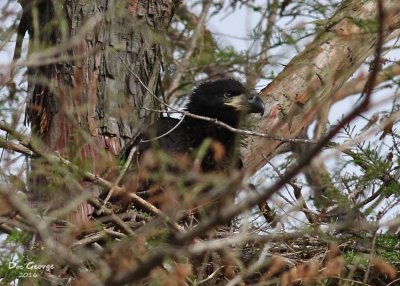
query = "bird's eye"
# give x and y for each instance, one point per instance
(227, 95)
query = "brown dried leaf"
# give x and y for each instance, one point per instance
(218, 151)
(178, 277)
(150, 160)
(81, 280)
(306, 272)
(387, 129)
(230, 265)
(334, 267)
(384, 267)
(5, 207)
(334, 251)
(118, 191)
(277, 265)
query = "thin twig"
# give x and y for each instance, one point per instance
(40, 226)
(230, 212)
(235, 130)
(6, 144)
(56, 158)
(209, 119)
(166, 133)
(120, 176)
(92, 238)
(371, 256)
(184, 64)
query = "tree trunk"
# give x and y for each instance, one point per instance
(89, 100)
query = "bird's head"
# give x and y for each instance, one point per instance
(227, 100)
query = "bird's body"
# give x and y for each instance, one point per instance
(207, 146)
(188, 136)
(227, 101)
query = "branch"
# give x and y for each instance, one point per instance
(232, 211)
(56, 159)
(230, 128)
(41, 226)
(314, 76)
(6, 144)
(184, 64)
(256, 69)
(177, 250)
(356, 85)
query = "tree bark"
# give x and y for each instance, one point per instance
(314, 76)
(89, 101)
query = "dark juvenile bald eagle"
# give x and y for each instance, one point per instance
(226, 100)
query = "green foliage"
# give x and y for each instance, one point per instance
(13, 263)
(375, 166)
(10, 270)
(375, 170)
(229, 54)
(18, 237)
(388, 247)
(355, 258)
(391, 189)
(158, 239)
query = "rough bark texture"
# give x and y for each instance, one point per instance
(86, 106)
(315, 75)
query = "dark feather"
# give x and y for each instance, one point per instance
(226, 100)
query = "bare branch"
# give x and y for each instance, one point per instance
(184, 64)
